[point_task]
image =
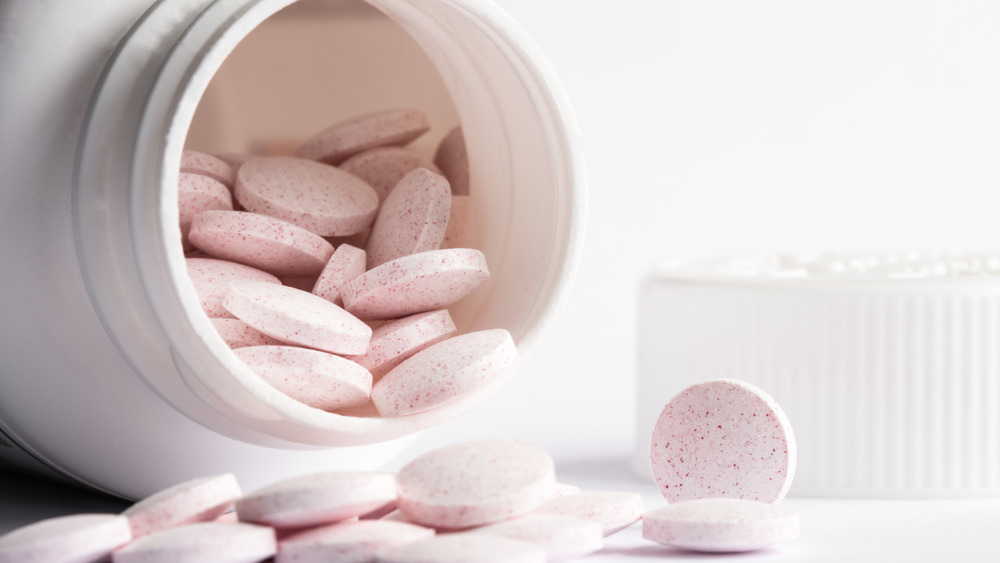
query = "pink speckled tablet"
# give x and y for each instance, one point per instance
(198, 500)
(270, 244)
(392, 127)
(723, 438)
(413, 218)
(194, 162)
(207, 542)
(79, 538)
(416, 283)
(457, 233)
(211, 278)
(196, 193)
(474, 483)
(349, 542)
(347, 263)
(613, 510)
(315, 196)
(445, 372)
(720, 525)
(322, 498)
(383, 167)
(238, 334)
(453, 160)
(297, 317)
(318, 379)
(397, 340)
(464, 548)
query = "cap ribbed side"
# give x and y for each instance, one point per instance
(892, 385)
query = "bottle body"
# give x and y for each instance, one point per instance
(114, 376)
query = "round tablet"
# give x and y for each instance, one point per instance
(474, 483)
(238, 334)
(613, 510)
(723, 438)
(297, 317)
(194, 162)
(562, 537)
(339, 141)
(413, 218)
(720, 525)
(322, 498)
(198, 500)
(453, 160)
(383, 167)
(211, 277)
(273, 245)
(346, 264)
(348, 542)
(447, 371)
(318, 379)
(317, 197)
(463, 548)
(207, 542)
(397, 340)
(416, 283)
(196, 193)
(77, 538)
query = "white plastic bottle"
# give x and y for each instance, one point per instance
(112, 375)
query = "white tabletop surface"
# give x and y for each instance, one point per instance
(728, 127)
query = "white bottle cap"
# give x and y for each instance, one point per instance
(888, 366)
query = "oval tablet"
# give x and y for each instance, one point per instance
(211, 277)
(238, 334)
(397, 340)
(297, 317)
(383, 167)
(207, 542)
(413, 218)
(474, 483)
(318, 379)
(720, 525)
(317, 197)
(723, 438)
(613, 510)
(197, 500)
(196, 193)
(348, 542)
(339, 141)
(464, 548)
(447, 371)
(77, 538)
(273, 245)
(416, 283)
(346, 264)
(322, 498)
(194, 162)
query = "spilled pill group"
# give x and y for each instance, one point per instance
(488, 501)
(478, 501)
(296, 259)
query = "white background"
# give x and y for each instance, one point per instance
(716, 128)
